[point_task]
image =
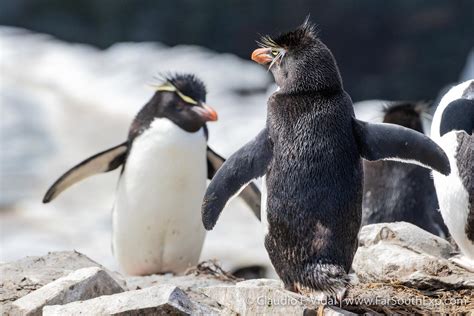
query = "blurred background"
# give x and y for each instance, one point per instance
(74, 73)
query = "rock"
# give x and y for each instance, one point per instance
(396, 299)
(336, 311)
(405, 253)
(155, 300)
(265, 297)
(261, 282)
(79, 285)
(185, 282)
(18, 278)
(406, 235)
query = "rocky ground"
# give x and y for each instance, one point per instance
(398, 268)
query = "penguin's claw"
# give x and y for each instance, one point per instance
(464, 262)
(321, 310)
(340, 294)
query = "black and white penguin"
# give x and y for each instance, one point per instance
(452, 129)
(165, 165)
(395, 191)
(310, 156)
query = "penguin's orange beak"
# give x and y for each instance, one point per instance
(211, 113)
(262, 56)
(206, 112)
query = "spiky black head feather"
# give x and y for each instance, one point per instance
(300, 61)
(188, 84)
(305, 34)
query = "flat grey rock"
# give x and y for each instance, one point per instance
(155, 300)
(185, 282)
(406, 235)
(82, 284)
(19, 278)
(266, 297)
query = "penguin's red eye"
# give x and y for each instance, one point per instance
(179, 106)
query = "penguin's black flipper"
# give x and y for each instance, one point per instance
(105, 161)
(250, 194)
(383, 141)
(248, 163)
(459, 116)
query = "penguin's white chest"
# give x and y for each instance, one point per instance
(156, 220)
(453, 198)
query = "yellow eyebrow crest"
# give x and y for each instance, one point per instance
(169, 87)
(166, 87)
(185, 98)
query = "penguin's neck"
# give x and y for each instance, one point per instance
(307, 85)
(311, 78)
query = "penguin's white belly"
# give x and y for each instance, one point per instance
(156, 219)
(453, 198)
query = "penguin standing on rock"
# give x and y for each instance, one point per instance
(310, 156)
(452, 129)
(165, 164)
(395, 191)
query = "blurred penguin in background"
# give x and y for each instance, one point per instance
(165, 165)
(395, 191)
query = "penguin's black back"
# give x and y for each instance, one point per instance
(395, 191)
(314, 186)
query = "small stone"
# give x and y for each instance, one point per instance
(79, 285)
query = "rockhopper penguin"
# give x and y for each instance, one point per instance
(395, 191)
(452, 129)
(165, 164)
(310, 156)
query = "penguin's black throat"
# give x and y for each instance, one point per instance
(295, 60)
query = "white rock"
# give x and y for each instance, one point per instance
(79, 285)
(261, 282)
(406, 235)
(18, 278)
(265, 297)
(404, 253)
(156, 300)
(185, 282)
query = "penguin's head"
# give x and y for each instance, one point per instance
(407, 114)
(181, 98)
(299, 60)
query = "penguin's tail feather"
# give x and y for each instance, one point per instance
(331, 279)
